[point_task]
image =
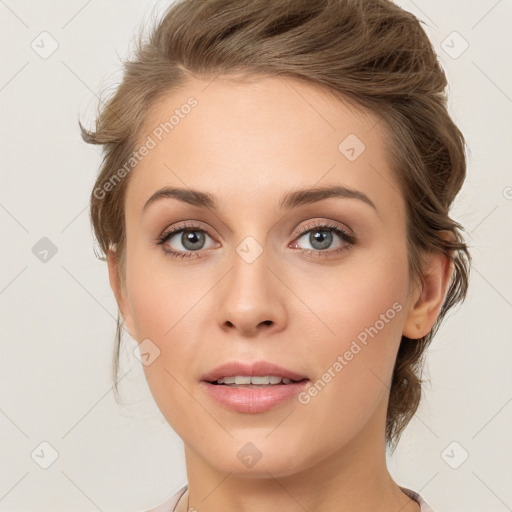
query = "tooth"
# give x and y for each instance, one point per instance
(242, 379)
(260, 380)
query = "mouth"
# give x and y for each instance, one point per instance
(252, 387)
(258, 373)
(244, 381)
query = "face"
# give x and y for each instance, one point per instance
(317, 284)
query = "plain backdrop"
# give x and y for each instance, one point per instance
(58, 313)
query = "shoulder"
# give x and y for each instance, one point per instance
(170, 504)
(424, 506)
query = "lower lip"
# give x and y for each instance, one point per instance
(253, 400)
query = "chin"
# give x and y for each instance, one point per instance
(256, 459)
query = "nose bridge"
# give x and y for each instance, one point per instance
(251, 298)
(250, 275)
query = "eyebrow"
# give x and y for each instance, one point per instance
(290, 200)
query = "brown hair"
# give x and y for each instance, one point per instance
(369, 53)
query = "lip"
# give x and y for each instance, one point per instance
(252, 399)
(232, 368)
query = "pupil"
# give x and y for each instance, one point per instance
(190, 239)
(323, 237)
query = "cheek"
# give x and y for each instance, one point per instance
(363, 309)
(164, 307)
(166, 303)
(161, 295)
(368, 290)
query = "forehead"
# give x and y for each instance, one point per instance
(258, 138)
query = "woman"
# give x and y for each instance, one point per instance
(274, 206)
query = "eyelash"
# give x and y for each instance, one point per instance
(346, 237)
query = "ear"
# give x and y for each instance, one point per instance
(428, 301)
(119, 290)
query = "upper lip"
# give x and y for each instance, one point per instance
(254, 369)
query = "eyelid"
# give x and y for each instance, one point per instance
(195, 225)
(182, 226)
(325, 223)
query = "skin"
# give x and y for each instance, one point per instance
(248, 144)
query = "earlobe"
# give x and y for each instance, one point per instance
(118, 289)
(424, 312)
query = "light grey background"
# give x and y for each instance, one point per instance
(57, 317)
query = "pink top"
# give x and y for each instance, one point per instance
(171, 503)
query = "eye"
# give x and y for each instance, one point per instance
(321, 237)
(182, 241)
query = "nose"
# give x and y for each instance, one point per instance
(251, 298)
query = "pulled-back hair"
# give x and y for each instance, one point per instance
(369, 53)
